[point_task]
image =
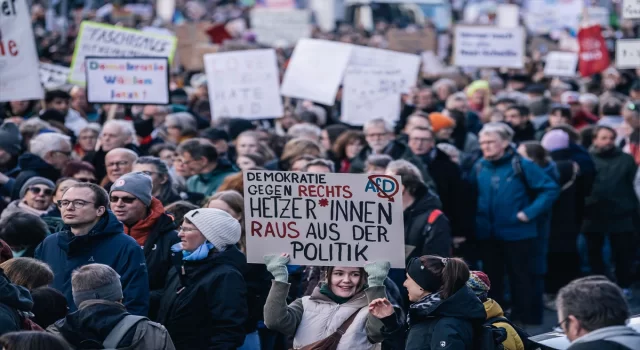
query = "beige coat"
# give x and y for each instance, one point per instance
(315, 317)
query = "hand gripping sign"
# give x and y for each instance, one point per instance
(324, 219)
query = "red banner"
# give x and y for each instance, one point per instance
(594, 57)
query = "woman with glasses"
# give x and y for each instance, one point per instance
(163, 187)
(36, 197)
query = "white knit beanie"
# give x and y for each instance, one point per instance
(217, 226)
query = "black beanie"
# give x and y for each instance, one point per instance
(426, 279)
(52, 115)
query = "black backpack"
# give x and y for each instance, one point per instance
(488, 337)
(524, 336)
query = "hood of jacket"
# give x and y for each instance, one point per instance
(422, 205)
(88, 327)
(463, 304)
(622, 335)
(30, 161)
(14, 296)
(108, 225)
(493, 309)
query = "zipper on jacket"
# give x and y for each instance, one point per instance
(182, 270)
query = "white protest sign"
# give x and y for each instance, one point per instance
(19, 79)
(53, 76)
(96, 39)
(324, 219)
(243, 84)
(545, 16)
(599, 15)
(407, 64)
(431, 64)
(508, 16)
(369, 93)
(628, 53)
(315, 70)
(133, 80)
(274, 26)
(561, 64)
(630, 9)
(489, 47)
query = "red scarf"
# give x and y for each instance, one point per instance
(140, 231)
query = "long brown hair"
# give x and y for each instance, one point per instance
(453, 272)
(340, 146)
(363, 277)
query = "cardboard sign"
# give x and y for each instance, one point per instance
(594, 56)
(489, 47)
(408, 64)
(508, 16)
(630, 9)
(561, 64)
(275, 26)
(371, 92)
(19, 79)
(193, 44)
(324, 219)
(243, 84)
(628, 53)
(412, 42)
(130, 80)
(53, 76)
(321, 62)
(102, 40)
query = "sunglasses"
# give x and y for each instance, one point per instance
(45, 191)
(86, 179)
(125, 200)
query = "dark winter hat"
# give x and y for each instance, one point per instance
(480, 284)
(238, 126)
(36, 180)
(179, 97)
(215, 134)
(138, 184)
(10, 138)
(426, 279)
(52, 115)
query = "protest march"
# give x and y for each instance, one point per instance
(320, 174)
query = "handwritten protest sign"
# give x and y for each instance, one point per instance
(324, 219)
(630, 9)
(96, 39)
(53, 76)
(369, 93)
(628, 53)
(561, 64)
(412, 41)
(274, 26)
(321, 62)
(243, 84)
(407, 64)
(489, 47)
(599, 15)
(19, 78)
(544, 16)
(193, 44)
(134, 80)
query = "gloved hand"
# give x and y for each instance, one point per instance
(277, 265)
(377, 272)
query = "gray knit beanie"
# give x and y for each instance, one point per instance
(36, 180)
(220, 228)
(138, 184)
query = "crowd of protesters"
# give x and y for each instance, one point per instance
(123, 226)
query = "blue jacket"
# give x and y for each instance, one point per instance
(107, 244)
(502, 194)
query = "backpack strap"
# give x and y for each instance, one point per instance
(343, 328)
(120, 330)
(433, 216)
(516, 164)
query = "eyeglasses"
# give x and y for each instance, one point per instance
(558, 327)
(117, 164)
(77, 203)
(377, 136)
(187, 229)
(125, 200)
(45, 191)
(66, 153)
(149, 173)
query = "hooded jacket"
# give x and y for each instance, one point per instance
(426, 239)
(14, 299)
(209, 183)
(204, 305)
(313, 318)
(31, 165)
(513, 341)
(88, 328)
(608, 338)
(448, 324)
(106, 244)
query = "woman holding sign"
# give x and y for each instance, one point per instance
(335, 313)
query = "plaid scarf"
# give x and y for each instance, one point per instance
(423, 306)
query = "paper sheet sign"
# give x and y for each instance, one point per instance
(628, 53)
(371, 92)
(407, 64)
(133, 80)
(243, 84)
(103, 40)
(489, 47)
(630, 9)
(275, 26)
(324, 219)
(19, 77)
(53, 76)
(561, 64)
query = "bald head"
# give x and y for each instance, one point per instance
(119, 161)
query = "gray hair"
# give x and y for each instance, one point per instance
(48, 142)
(304, 130)
(133, 155)
(502, 130)
(125, 126)
(320, 162)
(449, 149)
(377, 122)
(95, 127)
(401, 167)
(596, 303)
(458, 96)
(589, 98)
(183, 121)
(93, 276)
(378, 160)
(449, 83)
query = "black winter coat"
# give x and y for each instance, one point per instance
(157, 251)
(448, 324)
(526, 134)
(13, 299)
(434, 239)
(30, 165)
(204, 305)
